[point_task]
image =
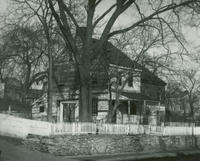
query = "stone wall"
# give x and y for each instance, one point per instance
(98, 144)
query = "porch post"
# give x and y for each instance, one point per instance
(129, 110)
(61, 112)
(143, 112)
(144, 105)
(158, 114)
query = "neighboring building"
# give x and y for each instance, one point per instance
(11, 98)
(12, 89)
(143, 94)
(178, 108)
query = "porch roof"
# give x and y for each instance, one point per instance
(137, 96)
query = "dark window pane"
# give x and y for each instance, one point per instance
(95, 106)
(41, 108)
(130, 80)
(120, 81)
(94, 80)
(133, 108)
(120, 78)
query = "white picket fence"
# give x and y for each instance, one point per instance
(73, 128)
(18, 127)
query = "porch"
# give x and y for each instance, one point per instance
(129, 111)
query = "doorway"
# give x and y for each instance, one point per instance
(68, 111)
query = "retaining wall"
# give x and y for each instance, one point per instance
(41, 138)
(67, 145)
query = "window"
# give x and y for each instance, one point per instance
(41, 108)
(130, 80)
(94, 80)
(94, 106)
(133, 108)
(119, 78)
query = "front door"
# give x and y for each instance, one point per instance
(67, 111)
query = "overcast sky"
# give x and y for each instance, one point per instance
(192, 34)
(3, 6)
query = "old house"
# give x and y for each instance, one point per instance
(142, 94)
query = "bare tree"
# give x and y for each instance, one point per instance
(184, 81)
(38, 12)
(157, 12)
(190, 82)
(23, 51)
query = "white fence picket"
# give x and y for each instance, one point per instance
(12, 126)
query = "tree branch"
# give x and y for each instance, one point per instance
(159, 11)
(69, 13)
(103, 15)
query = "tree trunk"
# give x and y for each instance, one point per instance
(85, 96)
(26, 84)
(113, 108)
(112, 112)
(191, 106)
(118, 90)
(85, 109)
(50, 76)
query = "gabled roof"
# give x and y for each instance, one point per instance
(114, 56)
(117, 57)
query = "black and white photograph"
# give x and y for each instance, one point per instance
(99, 80)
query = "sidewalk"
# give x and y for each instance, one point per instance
(134, 156)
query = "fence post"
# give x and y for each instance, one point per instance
(51, 129)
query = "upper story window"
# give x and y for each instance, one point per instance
(130, 80)
(127, 78)
(41, 108)
(94, 80)
(120, 78)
